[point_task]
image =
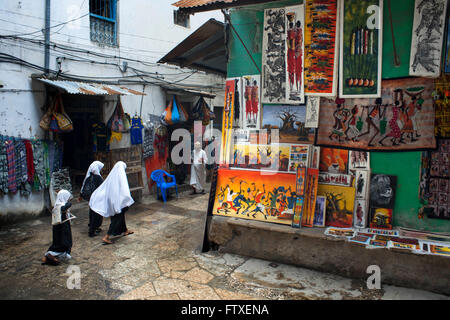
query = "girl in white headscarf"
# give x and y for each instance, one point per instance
(91, 182)
(62, 233)
(198, 169)
(112, 199)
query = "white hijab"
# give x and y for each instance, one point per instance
(94, 168)
(61, 199)
(113, 194)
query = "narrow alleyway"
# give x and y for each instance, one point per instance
(162, 260)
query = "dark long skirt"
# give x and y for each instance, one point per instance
(118, 225)
(95, 221)
(62, 238)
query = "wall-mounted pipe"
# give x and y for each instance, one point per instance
(47, 37)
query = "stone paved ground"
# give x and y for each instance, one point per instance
(162, 260)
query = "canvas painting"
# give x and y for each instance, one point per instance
(274, 69)
(250, 195)
(442, 121)
(251, 107)
(447, 44)
(427, 38)
(238, 100)
(380, 218)
(319, 212)
(362, 184)
(312, 112)
(333, 160)
(295, 26)
(382, 191)
(309, 207)
(298, 157)
(340, 205)
(340, 232)
(321, 47)
(298, 212)
(337, 179)
(359, 160)
(360, 214)
(300, 181)
(315, 157)
(289, 120)
(360, 48)
(227, 119)
(260, 157)
(402, 119)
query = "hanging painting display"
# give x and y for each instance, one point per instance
(403, 119)
(340, 205)
(289, 120)
(274, 56)
(298, 156)
(427, 37)
(250, 195)
(360, 48)
(312, 112)
(312, 183)
(333, 160)
(359, 160)
(319, 212)
(251, 106)
(227, 120)
(260, 157)
(321, 47)
(295, 26)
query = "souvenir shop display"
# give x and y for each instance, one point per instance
(360, 48)
(321, 49)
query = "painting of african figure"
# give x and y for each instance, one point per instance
(252, 195)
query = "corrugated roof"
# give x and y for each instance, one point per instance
(192, 6)
(90, 88)
(198, 3)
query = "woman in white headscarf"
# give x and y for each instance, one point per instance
(112, 199)
(198, 169)
(62, 233)
(91, 182)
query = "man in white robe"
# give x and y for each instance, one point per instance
(198, 169)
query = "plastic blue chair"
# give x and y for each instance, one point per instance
(158, 177)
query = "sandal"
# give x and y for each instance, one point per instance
(128, 233)
(106, 242)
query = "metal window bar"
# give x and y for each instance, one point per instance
(103, 21)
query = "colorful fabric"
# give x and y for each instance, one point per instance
(3, 168)
(147, 145)
(38, 160)
(10, 154)
(136, 130)
(21, 162)
(30, 163)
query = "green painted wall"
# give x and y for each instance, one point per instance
(248, 22)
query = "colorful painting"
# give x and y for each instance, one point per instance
(382, 191)
(300, 181)
(427, 38)
(289, 120)
(340, 232)
(319, 212)
(360, 48)
(359, 160)
(227, 120)
(333, 160)
(312, 184)
(251, 107)
(402, 119)
(361, 239)
(360, 214)
(295, 26)
(340, 205)
(298, 212)
(312, 112)
(337, 179)
(315, 157)
(321, 47)
(442, 107)
(251, 195)
(260, 157)
(362, 184)
(380, 218)
(274, 53)
(238, 100)
(298, 157)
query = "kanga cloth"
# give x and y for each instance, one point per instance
(11, 156)
(30, 161)
(113, 194)
(21, 168)
(3, 168)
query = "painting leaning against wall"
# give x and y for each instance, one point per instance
(360, 48)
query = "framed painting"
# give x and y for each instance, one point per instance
(260, 157)
(289, 120)
(315, 157)
(251, 195)
(333, 160)
(238, 100)
(227, 119)
(312, 112)
(312, 183)
(380, 218)
(251, 107)
(337, 179)
(298, 156)
(360, 214)
(427, 38)
(402, 119)
(361, 48)
(382, 191)
(340, 205)
(359, 160)
(321, 47)
(319, 212)
(362, 184)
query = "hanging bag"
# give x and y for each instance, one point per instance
(126, 122)
(44, 123)
(168, 115)
(64, 122)
(175, 112)
(115, 123)
(197, 110)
